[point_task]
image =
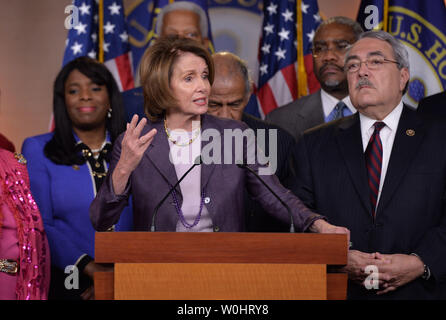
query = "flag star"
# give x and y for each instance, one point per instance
(92, 54)
(317, 17)
(105, 47)
(265, 48)
(269, 28)
(95, 18)
(114, 8)
(77, 48)
(67, 42)
(272, 8)
(94, 37)
(124, 36)
(310, 36)
(304, 7)
(84, 9)
(280, 54)
(81, 28)
(109, 28)
(283, 34)
(263, 69)
(288, 15)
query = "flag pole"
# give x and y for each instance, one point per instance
(101, 31)
(301, 73)
(386, 16)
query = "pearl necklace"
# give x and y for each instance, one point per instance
(175, 142)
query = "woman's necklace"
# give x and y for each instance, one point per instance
(175, 142)
(95, 158)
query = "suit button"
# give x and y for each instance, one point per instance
(216, 229)
(207, 200)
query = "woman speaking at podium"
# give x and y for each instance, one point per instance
(176, 76)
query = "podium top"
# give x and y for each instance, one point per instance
(227, 247)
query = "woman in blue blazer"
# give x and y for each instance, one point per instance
(67, 167)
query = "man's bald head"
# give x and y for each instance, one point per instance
(231, 88)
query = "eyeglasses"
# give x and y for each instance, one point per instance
(339, 47)
(373, 63)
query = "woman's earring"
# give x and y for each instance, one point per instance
(109, 113)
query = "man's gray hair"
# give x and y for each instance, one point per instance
(352, 24)
(399, 50)
(183, 5)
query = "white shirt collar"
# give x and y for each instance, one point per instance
(329, 102)
(391, 120)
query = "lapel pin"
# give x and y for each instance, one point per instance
(410, 132)
(76, 167)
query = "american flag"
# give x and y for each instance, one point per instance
(84, 38)
(279, 63)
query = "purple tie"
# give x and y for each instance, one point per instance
(373, 158)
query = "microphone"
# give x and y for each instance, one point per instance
(155, 212)
(244, 166)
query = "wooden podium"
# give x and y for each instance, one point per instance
(220, 266)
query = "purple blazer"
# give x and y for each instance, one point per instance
(223, 183)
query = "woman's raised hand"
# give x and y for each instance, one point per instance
(133, 144)
(133, 147)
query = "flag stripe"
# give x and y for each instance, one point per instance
(111, 65)
(313, 83)
(280, 89)
(266, 96)
(289, 74)
(123, 64)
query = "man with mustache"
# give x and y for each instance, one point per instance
(380, 173)
(332, 39)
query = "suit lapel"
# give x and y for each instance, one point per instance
(405, 147)
(207, 169)
(350, 144)
(312, 111)
(158, 154)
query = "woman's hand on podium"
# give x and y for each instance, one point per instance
(322, 226)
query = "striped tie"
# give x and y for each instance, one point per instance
(338, 111)
(373, 157)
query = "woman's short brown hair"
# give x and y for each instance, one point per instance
(156, 71)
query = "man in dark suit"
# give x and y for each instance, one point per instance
(380, 173)
(230, 93)
(182, 18)
(434, 105)
(331, 41)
